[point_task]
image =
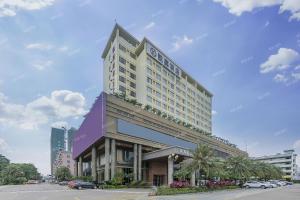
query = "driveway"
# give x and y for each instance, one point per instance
(56, 192)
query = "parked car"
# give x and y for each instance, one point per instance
(256, 184)
(32, 182)
(78, 184)
(63, 183)
(270, 185)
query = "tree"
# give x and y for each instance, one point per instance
(3, 162)
(203, 159)
(238, 167)
(30, 171)
(13, 174)
(63, 174)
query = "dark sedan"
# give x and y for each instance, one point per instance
(78, 184)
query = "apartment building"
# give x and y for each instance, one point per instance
(286, 161)
(64, 159)
(144, 72)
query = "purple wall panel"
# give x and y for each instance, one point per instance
(92, 128)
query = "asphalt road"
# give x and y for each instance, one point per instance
(55, 192)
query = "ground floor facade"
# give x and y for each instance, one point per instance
(119, 137)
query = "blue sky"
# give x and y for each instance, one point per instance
(247, 53)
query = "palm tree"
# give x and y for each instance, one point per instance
(238, 167)
(203, 159)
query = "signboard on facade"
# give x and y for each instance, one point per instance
(167, 63)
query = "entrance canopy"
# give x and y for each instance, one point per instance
(166, 152)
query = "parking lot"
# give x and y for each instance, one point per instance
(56, 192)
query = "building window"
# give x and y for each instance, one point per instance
(132, 85)
(122, 88)
(132, 94)
(122, 79)
(132, 55)
(149, 61)
(158, 77)
(149, 80)
(149, 71)
(149, 99)
(127, 156)
(122, 48)
(122, 69)
(122, 60)
(158, 85)
(132, 76)
(149, 90)
(132, 67)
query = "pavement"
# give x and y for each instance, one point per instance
(56, 192)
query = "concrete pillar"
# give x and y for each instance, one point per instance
(193, 179)
(107, 160)
(170, 170)
(76, 168)
(135, 162)
(139, 162)
(80, 167)
(94, 164)
(113, 157)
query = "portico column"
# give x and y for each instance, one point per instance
(193, 179)
(80, 167)
(170, 170)
(106, 168)
(113, 157)
(135, 162)
(76, 168)
(139, 162)
(94, 164)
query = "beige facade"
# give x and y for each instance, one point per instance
(150, 156)
(145, 73)
(64, 159)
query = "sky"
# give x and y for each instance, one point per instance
(247, 53)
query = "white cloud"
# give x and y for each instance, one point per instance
(41, 65)
(60, 124)
(297, 144)
(237, 108)
(181, 41)
(281, 78)
(149, 26)
(9, 8)
(238, 7)
(265, 95)
(158, 13)
(282, 60)
(39, 46)
(292, 6)
(280, 132)
(213, 112)
(61, 104)
(3, 145)
(296, 76)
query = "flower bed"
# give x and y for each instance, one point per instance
(185, 190)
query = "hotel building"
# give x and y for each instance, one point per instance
(143, 72)
(124, 135)
(286, 161)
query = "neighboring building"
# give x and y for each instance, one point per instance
(64, 159)
(70, 137)
(61, 141)
(143, 72)
(286, 161)
(118, 136)
(57, 144)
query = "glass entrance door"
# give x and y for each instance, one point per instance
(158, 180)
